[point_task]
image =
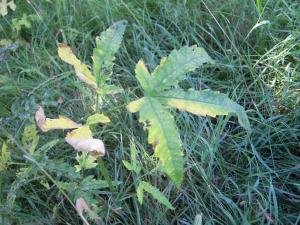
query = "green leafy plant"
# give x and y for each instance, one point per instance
(143, 186)
(85, 161)
(81, 137)
(25, 21)
(157, 194)
(30, 139)
(103, 61)
(103, 57)
(161, 91)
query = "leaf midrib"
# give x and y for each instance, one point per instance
(163, 129)
(187, 99)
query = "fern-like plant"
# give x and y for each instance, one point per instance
(162, 92)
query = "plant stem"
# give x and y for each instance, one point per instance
(135, 204)
(105, 173)
(97, 103)
(258, 3)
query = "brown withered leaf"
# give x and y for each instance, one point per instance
(82, 140)
(81, 205)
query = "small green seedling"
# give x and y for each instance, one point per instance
(24, 22)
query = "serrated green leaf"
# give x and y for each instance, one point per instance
(109, 89)
(88, 187)
(19, 23)
(177, 65)
(163, 135)
(25, 21)
(143, 76)
(134, 165)
(133, 153)
(97, 118)
(128, 165)
(85, 161)
(103, 61)
(157, 194)
(30, 139)
(106, 47)
(90, 183)
(204, 103)
(140, 193)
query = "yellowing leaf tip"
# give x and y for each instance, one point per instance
(46, 124)
(82, 70)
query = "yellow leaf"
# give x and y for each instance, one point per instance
(82, 140)
(46, 124)
(81, 69)
(97, 118)
(204, 103)
(83, 132)
(135, 106)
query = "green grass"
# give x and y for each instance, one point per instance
(230, 178)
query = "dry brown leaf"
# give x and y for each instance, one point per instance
(82, 140)
(46, 124)
(81, 205)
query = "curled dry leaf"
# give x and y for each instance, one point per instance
(82, 140)
(46, 124)
(81, 205)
